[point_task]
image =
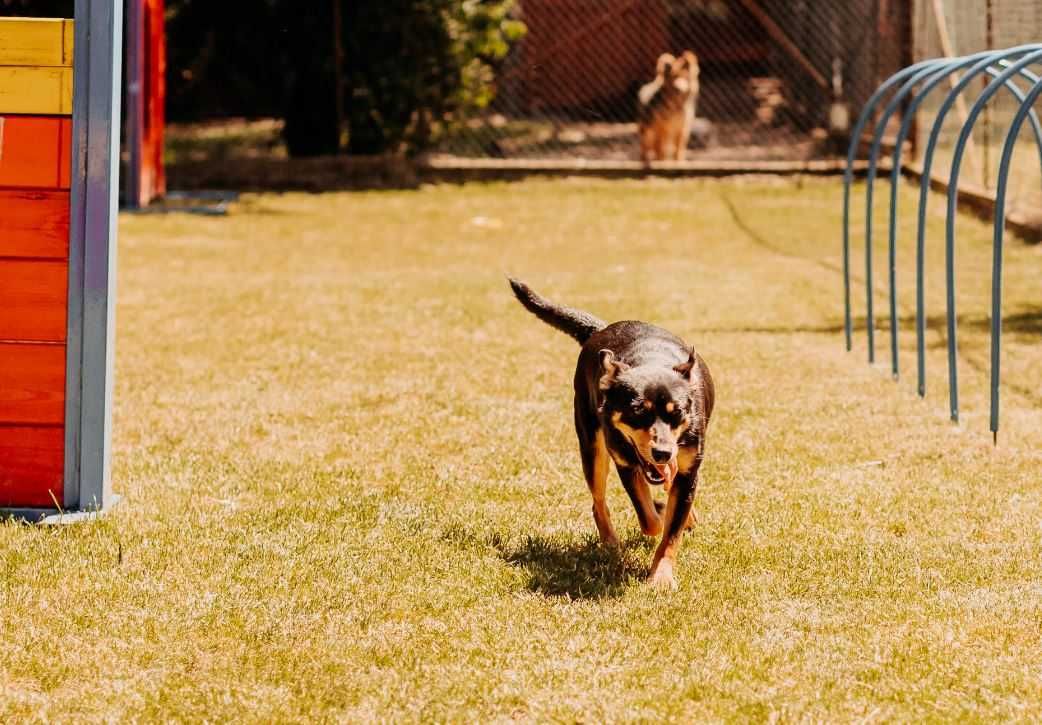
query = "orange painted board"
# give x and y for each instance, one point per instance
(32, 384)
(34, 223)
(33, 151)
(65, 154)
(32, 463)
(36, 42)
(33, 300)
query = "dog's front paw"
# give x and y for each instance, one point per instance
(662, 577)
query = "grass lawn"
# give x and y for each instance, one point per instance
(352, 489)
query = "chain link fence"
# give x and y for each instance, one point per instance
(961, 27)
(771, 74)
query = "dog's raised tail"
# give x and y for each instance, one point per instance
(576, 323)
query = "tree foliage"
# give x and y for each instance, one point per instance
(410, 67)
(415, 65)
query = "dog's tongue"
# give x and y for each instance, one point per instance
(668, 471)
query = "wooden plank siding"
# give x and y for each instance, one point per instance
(31, 461)
(36, 42)
(37, 91)
(35, 173)
(33, 300)
(34, 151)
(34, 223)
(32, 384)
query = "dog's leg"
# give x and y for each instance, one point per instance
(692, 519)
(677, 514)
(640, 495)
(595, 465)
(645, 146)
(660, 144)
(650, 150)
(683, 135)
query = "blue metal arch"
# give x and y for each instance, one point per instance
(953, 200)
(997, 242)
(929, 67)
(906, 123)
(848, 178)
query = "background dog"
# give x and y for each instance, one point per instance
(643, 400)
(666, 108)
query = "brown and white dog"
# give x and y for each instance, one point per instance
(643, 399)
(666, 108)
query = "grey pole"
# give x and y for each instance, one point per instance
(92, 253)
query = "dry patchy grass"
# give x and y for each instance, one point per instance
(352, 490)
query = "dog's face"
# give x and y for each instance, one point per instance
(650, 406)
(682, 73)
(691, 68)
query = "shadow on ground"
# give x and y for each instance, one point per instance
(583, 569)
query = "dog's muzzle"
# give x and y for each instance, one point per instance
(659, 473)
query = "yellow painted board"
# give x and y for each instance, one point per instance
(67, 35)
(37, 91)
(35, 42)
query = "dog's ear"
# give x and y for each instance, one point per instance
(665, 61)
(691, 60)
(686, 368)
(610, 368)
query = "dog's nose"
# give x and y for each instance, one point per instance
(661, 455)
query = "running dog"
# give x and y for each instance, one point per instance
(643, 400)
(666, 108)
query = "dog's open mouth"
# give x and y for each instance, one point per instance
(658, 474)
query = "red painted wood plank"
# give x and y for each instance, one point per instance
(30, 151)
(33, 300)
(32, 384)
(65, 154)
(34, 223)
(32, 462)
(156, 96)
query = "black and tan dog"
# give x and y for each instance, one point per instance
(666, 108)
(642, 399)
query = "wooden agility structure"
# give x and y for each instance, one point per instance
(59, 140)
(145, 103)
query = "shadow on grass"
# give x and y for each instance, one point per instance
(584, 569)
